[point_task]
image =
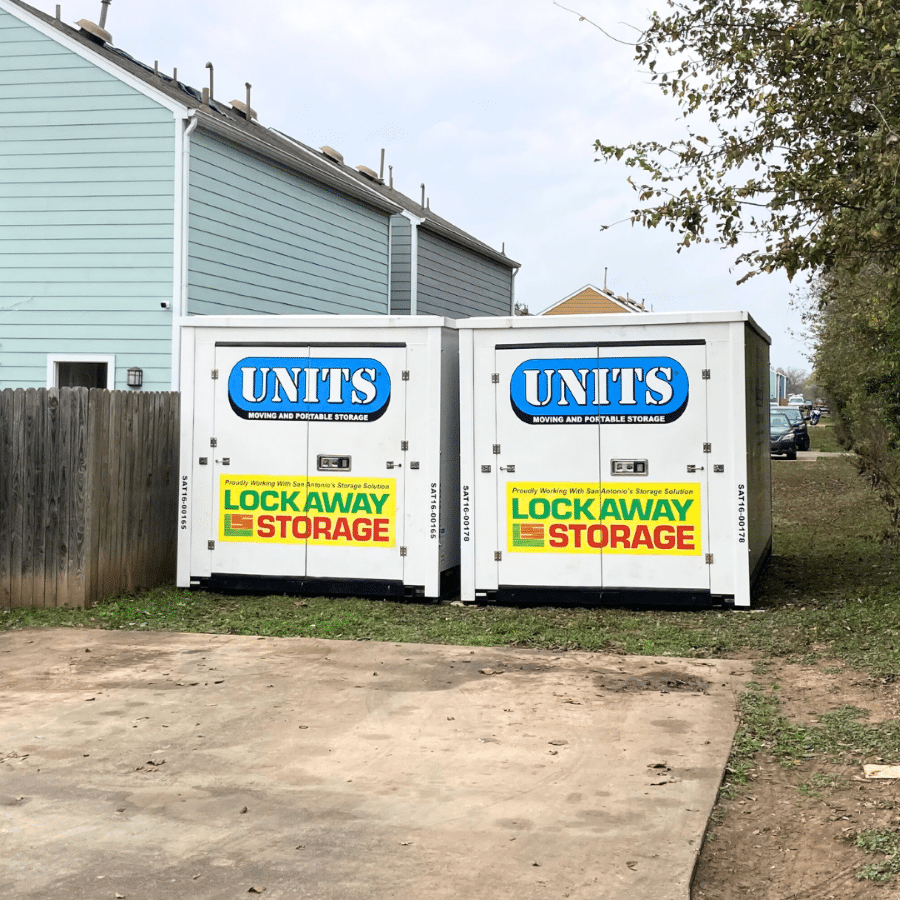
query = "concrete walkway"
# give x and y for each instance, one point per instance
(164, 766)
(813, 455)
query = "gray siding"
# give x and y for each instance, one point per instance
(401, 249)
(456, 282)
(267, 240)
(86, 214)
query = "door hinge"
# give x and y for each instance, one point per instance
(403, 551)
(204, 460)
(215, 374)
(213, 442)
(210, 545)
(497, 556)
(405, 375)
(404, 445)
(707, 448)
(709, 559)
(705, 374)
(496, 449)
(495, 378)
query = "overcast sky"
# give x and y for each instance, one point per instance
(493, 104)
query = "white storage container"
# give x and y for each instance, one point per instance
(614, 458)
(320, 454)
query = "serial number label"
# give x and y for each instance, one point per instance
(466, 513)
(434, 511)
(742, 514)
(184, 502)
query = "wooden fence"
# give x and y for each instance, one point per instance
(88, 494)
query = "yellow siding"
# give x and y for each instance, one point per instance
(588, 301)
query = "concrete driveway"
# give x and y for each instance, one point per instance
(210, 766)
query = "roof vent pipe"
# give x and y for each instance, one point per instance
(391, 177)
(209, 66)
(104, 8)
(423, 194)
(381, 167)
(58, 12)
(245, 109)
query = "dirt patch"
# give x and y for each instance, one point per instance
(660, 680)
(788, 834)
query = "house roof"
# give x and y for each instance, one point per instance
(223, 120)
(589, 295)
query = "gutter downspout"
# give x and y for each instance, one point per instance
(180, 254)
(414, 222)
(512, 291)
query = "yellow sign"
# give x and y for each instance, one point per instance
(282, 509)
(645, 519)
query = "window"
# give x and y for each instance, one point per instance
(81, 370)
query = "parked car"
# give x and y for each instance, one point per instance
(782, 438)
(798, 423)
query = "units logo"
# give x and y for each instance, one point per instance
(645, 519)
(610, 391)
(289, 388)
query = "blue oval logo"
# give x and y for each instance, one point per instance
(291, 388)
(641, 390)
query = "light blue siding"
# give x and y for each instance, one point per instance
(264, 239)
(401, 249)
(86, 214)
(457, 282)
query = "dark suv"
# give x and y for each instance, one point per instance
(798, 424)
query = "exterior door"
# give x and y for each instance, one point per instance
(547, 466)
(356, 463)
(260, 460)
(654, 469)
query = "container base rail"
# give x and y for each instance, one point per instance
(631, 598)
(227, 583)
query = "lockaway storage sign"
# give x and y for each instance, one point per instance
(348, 512)
(646, 519)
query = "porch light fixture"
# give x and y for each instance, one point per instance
(135, 377)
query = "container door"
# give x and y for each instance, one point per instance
(547, 462)
(260, 460)
(654, 468)
(356, 462)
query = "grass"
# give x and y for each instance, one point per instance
(821, 437)
(830, 589)
(885, 842)
(839, 735)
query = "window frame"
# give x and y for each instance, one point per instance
(54, 359)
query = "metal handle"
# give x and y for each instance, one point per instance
(507, 468)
